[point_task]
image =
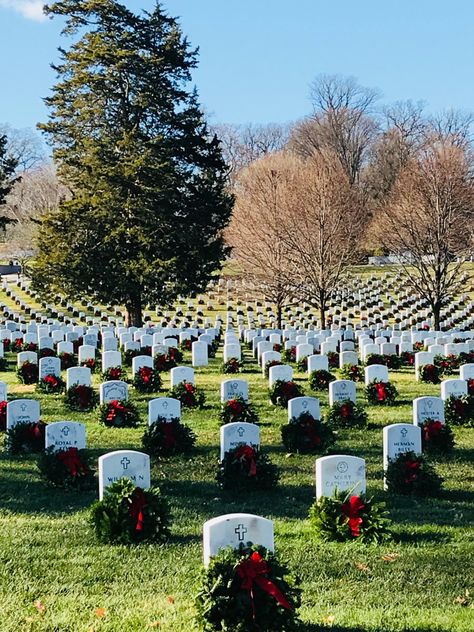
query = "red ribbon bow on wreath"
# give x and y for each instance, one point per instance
(252, 571)
(146, 373)
(116, 409)
(411, 473)
(432, 429)
(381, 391)
(71, 460)
(137, 505)
(246, 454)
(168, 435)
(352, 509)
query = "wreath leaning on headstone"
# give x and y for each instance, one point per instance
(245, 468)
(320, 379)
(282, 391)
(352, 372)
(248, 590)
(410, 473)
(307, 435)
(25, 438)
(81, 398)
(168, 437)
(233, 365)
(381, 393)
(51, 385)
(239, 410)
(128, 514)
(119, 413)
(347, 517)
(459, 411)
(188, 394)
(69, 468)
(436, 437)
(147, 380)
(346, 414)
(27, 373)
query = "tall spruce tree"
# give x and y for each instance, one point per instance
(8, 164)
(148, 197)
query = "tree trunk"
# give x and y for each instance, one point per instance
(279, 312)
(322, 315)
(133, 316)
(436, 307)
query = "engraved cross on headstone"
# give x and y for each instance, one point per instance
(125, 462)
(65, 431)
(240, 431)
(240, 530)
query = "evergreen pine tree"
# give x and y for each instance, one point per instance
(148, 200)
(8, 165)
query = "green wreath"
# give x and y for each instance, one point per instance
(282, 391)
(410, 473)
(248, 590)
(436, 437)
(147, 380)
(381, 393)
(459, 411)
(346, 414)
(245, 468)
(232, 366)
(119, 413)
(168, 437)
(69, 468)
(188, 394)
(320, 379)
(81, 398)
(307, 435)
(128, 514)
(51, 385)
(347, 517)
(352, 372)
(25, 438)
(239, 410)
(27, 373)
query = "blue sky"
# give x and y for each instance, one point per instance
(257, 57)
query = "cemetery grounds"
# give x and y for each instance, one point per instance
(55, 576)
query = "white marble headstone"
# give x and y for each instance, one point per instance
(233, 434)
(124, 464)
(166, 407)
(233, 530)
(65, 434)
(78, 375)
(341, 472)
(428, 408)
(341, 390)
(49, 366)
(300, 405)
(22, 411)
(112, 390)
(231, 389)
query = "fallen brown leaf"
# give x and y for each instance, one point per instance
(390, 557)
(100, 613)
(170, 599)
(362, 567)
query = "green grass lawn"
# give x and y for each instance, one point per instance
(56, 577)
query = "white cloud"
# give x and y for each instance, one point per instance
(29, 9)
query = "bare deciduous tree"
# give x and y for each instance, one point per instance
(341, 122)
(257, 230)
(243, 144)
(325, 218)
(429, 219)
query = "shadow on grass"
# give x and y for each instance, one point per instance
(204, 498)
(313, 627)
